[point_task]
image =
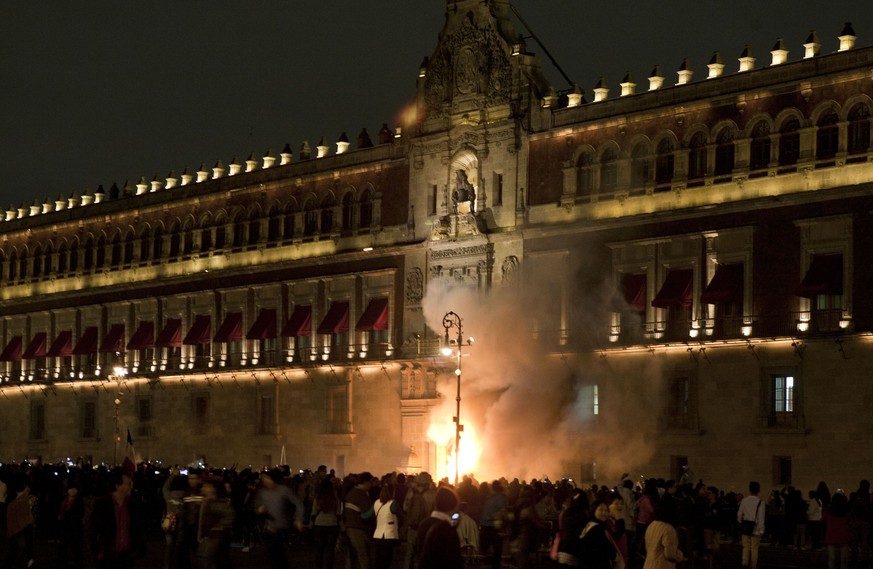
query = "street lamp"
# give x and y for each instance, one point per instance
(119, 373)
(452, 320)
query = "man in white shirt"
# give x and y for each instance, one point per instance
(751, 510)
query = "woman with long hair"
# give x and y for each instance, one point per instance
(387, 534)
(662, 541)
(325, 523)
(595, 549)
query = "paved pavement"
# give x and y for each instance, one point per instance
(301, 555)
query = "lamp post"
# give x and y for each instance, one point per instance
(452, 320)
(119, 373)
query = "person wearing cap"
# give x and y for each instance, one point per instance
(438, 545)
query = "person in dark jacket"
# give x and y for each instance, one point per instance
(115, 531)
(437, 543)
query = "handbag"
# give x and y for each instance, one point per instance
(168, 523)
(747, 527)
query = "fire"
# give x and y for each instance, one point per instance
(442, 433)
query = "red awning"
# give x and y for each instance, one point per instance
(113, 341)
(200, 332)
(337, 319)
(88, 342)
(375, 317)
(62, 347)
(231, 329)
(265, 326)
(677, 290)
(12, 351)
(633, 290)
(300, 323)
(171, 335)
(824, 276)
(36, 349)
(143, 338)
(726, 285)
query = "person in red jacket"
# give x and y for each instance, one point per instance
(837, 534)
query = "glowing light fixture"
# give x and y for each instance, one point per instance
(452, 320)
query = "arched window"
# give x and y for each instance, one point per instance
(274, 225)
(13, 267)
(205, 235)
(327, 207)
(759, 152)
(289, 225)
(100, 253)
(188, 237)
(174, 240)
(608, 172)
(158, 244)
(37, 261)
(585, 174)
(254, 227)
(62, 258)
(827, 136)
(366, 210)
(310, 218)
(116, 251)
(22, 265)
(724, 152)
(74, 256)
(220, 233)
(47, 260)
(664, 163)
(639, 166)
(859, 129)
(144, 246)
(348, 212)
(88, 255)
(128, 247)
(697, 156)
(789, 143)
(239, 230)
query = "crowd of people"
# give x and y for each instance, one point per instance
(100, 516)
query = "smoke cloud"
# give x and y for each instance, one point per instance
(539, 412)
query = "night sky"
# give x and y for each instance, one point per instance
(104, 91)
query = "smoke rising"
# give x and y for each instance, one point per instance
(538, 412)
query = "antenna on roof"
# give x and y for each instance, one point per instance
(545, 50)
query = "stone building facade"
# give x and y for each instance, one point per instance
(696, 259)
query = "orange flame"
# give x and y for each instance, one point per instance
(442, 433)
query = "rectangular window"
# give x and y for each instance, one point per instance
(266, 415)
(432, 200)
(337, 410)
(681, 412)
(783, 394)
(783, 398)
(595, 395)
(781, 470)
(498, 189)
(89, 419)
(37, 420)
(200, 408)
(144, 413)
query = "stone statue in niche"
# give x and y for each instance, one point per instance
(464, 195)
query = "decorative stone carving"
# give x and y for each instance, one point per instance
(414, 285)
(509, 270)
(470, 61)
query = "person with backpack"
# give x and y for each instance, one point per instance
(417, 506)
